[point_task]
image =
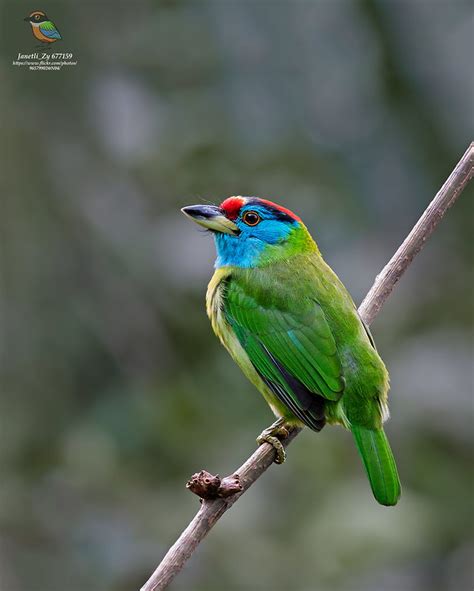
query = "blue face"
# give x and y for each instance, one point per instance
(259, 227)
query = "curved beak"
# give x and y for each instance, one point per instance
(211, 217)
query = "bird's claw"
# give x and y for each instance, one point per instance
(275, 443)
(271, 435)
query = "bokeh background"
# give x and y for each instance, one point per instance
(113, 388)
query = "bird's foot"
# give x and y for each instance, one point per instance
(271, 435)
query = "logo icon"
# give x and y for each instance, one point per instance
(42, 28)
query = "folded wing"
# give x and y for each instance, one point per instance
(291, 348)
(49, 30)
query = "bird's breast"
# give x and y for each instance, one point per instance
(215, 302)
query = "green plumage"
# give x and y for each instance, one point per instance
(48, 26)
(292, 327)
(301, 315)
(379, 463)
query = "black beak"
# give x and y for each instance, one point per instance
(210, 217)
(201, 211)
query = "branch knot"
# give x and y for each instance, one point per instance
(207, 486)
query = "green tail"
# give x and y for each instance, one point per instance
(379, 463)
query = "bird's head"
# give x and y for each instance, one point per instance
(251, 232)
(36, 17)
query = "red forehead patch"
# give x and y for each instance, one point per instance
(231, 207)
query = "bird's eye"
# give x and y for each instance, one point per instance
(37, 17)
(251, 218)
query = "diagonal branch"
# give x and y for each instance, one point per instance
(211, 510)
(416, 239)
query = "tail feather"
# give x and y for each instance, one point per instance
(379, 463)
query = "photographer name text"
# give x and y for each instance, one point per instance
(44, 61)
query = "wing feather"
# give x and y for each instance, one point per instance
(293, 350)
(50, 30)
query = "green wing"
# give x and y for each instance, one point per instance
(292, 349)
(49, 29)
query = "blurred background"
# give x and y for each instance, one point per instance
(114, 389)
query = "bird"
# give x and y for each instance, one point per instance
(42, 28)
(293, 329)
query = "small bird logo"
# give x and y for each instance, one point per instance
(42, 28)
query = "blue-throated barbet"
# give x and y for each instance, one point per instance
(292, 327)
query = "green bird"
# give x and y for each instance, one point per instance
(293, 329)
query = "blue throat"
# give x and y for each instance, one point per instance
(246, 249)
(232, 250)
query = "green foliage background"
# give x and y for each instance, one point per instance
(114, 390)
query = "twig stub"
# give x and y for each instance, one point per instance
(204, 485)
(208, 487)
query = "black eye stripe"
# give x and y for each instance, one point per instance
(270, 211)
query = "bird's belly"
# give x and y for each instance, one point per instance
(39, 35)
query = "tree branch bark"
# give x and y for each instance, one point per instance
(416, 239)
(212, 509)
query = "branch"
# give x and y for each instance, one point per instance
(217, 496)
(416, 239)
